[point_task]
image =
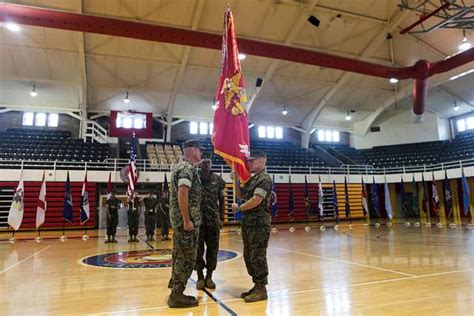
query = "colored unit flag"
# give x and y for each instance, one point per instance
(448, 196)
(374, 195)
(291, 203)
(388, 202)
(334, 201)
(365, 205)
(466, 195)
(132, 170)
(230, 135)
(415, 203)
(274, 200)
(320, 199)
(85, 212)
(346, 198)
(109, 187)
(424, 196)
(41, 205)
(307, 199)
(15, 216)
(67, 211)
(435, 197)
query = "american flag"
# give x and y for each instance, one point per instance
(132, 171)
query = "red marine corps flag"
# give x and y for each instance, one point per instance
(231, 125)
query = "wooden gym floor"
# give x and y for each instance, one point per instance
(398, 271)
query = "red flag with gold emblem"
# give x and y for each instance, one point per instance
(231, 125)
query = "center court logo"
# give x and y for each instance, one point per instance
(142, 259)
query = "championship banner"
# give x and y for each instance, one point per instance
(231, 125)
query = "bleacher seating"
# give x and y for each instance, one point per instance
(163, 154)
(284, 154)
(48, 145)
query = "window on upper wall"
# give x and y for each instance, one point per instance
(464, 124)
(278, 133)
(329, 136)
(262, 132)
(270, 132)
(28, 118)
(201, 128)
(193, 128)
(53, 120)
(40, 119)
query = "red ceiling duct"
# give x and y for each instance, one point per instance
(116, 27)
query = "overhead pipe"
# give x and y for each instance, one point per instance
(130, 29)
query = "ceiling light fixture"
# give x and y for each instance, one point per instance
(242, 56)
(393, 80)
(456, 106)
(126, 100)
(13, 27)
(465, 45)
(348, 116)
(33, 92)
(284, 111)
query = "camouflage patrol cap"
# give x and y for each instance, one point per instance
(255, 154)
(192, 143)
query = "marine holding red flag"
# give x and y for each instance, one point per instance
(231, 132)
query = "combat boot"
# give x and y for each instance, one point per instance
(259, 294)
(130, 239)
(201, 283)
(179, 300)
(209, 283)
(113, 239)
(245, 294)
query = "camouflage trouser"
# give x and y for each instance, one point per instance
(208, 235)
(112, 223)
(256, 228)
(184, 257)
(150, 222)
(133, 218)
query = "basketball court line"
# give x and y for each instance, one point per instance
(338, 260)
(215, 299)
(344, 261)
(21, 261)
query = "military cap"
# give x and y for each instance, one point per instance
(192, 143)
(255, 154)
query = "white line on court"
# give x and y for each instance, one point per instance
(371, 283)
(339, 260)
(343, 261)
(21, 261)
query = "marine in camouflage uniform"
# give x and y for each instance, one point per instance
(186, 230)
(112, 205)
(256, 226)
(150, 203)
(164, 206)
(212, 210)
(133, 215)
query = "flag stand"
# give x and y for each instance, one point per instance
(85, 237)
(12, 239)
(38, 238)
(63, 237)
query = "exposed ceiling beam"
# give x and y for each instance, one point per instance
(352, 14)
(45, 108)
(198, 9)
(375, 43)
(298, 24)
(361, 128)
(455, 96)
